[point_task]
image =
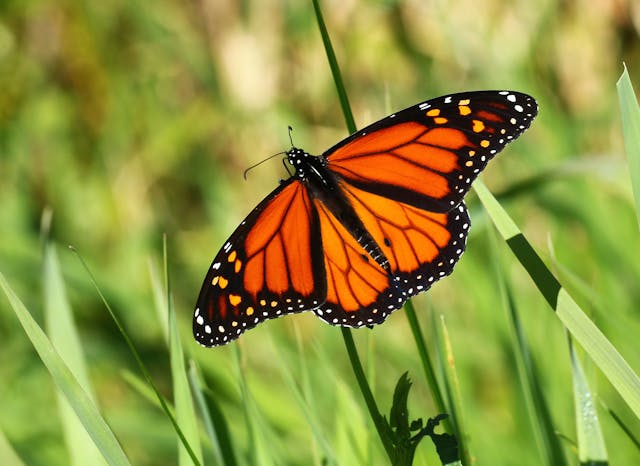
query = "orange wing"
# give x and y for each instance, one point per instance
(375, 220)
(359, 291)
(271, 266)
(420, 246)
(429, 154)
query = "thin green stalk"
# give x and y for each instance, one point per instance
(138, 359)
(335, 70)
(378, 419)
(429, 370)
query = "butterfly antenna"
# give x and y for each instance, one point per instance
(290, 138)
(244, 175)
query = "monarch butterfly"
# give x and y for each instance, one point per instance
(357, 231)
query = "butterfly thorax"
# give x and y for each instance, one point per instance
(322, 184)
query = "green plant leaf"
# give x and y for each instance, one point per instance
(630, 114)
(64, 379)
(603, 353)
(591, 447)
(64, 337)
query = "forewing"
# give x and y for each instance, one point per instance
(271, 265)
(429, 154)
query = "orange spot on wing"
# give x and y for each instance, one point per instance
(445, 137)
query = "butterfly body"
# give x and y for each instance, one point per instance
(358, 230)
(323, 185)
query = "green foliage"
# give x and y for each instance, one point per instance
(131, 119)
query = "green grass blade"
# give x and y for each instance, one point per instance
(185, 411)
(64, 337)
(262, 448)
(630, 434)
(427, 365)
(379, 422)
(603, 353)
(452, 386)
(309, 413)
(8, 456)
(159, 299)
(591, 447)
(78, 399)
(335, 70)
(630, 114)
(215, 423)
(549, 449)
(139, 362)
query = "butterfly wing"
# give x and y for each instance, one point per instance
(405, 177)
(359, 290)
(271, 265)
(429, 154)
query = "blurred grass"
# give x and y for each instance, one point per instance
(131, 120)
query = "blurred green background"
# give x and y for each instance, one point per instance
(131, 119)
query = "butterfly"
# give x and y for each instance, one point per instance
(358, 230)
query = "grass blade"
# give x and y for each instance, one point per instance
(630, 114)
(215, 423)
(603, 353)
(549, 448)
(335, 70)
(8, 456)
(379, 422)
(452, 387)
(78, 399)
(139, 362)
(591, 447)
(185, 411)
(64, 337)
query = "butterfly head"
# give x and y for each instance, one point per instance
(304, 163)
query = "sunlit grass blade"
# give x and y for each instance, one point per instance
(185, 411)
(159, 299)
(64, 337)
(630, 114)
(631, 435)
(425, 359)
(452, 387)
(8, 456)
(549, 448)
(215, 423)
(261, 450)
(335, 69)
(306, 405)
(78, 399)
(141, 366)
(591, 447)
(603, 353)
